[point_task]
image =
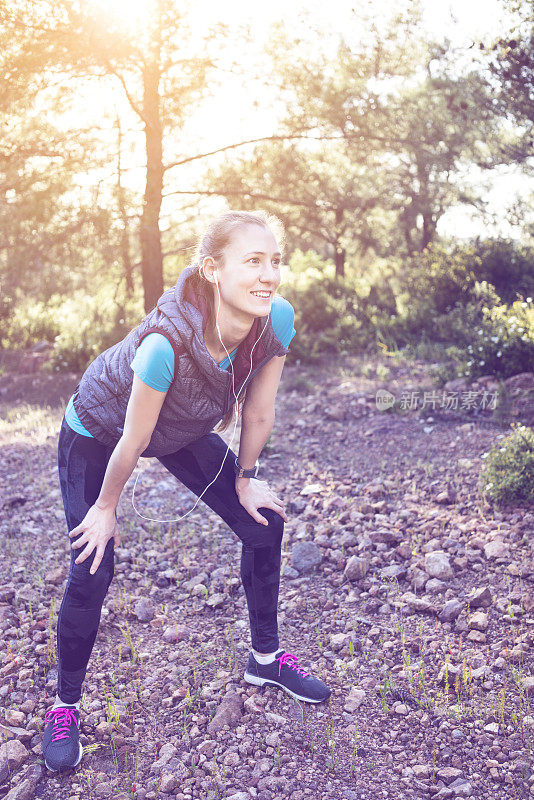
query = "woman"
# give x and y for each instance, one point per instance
(159, 393)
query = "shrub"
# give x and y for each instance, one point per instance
(89, 325)
(327, 316)
(503, 344)
(507, 265)
(508, 474)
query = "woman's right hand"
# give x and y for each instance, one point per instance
(97, 528)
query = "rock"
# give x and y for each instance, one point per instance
(528, 685)
(202, 578)
(393, 571)
(455, 384)
(417, 603)
(165, 754)
(523, 380)
(354, 700)
(435, 586)
(12, 755)
(478, 621)
(103, 729)
(451, 610)
(437, 565)
(55, 575)
(23, 791)
(228, 713)
(446, 497)
(312, 488)
(492, 727)
(169, 782)
(356, 567)
(422, 771)
(276, 719)
(289, 572)
(305, 555)
(339, 640)
(449, 670)
(480, 598)
(216, 600)
(241, 795)
(448, 774)
(103, 789)
(461, 787)
(232, 759)
(496, 549)
(14, 717)
(144, 609)
(464, 463)
(176, 633)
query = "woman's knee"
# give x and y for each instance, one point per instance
(259, 535)
(92, 587)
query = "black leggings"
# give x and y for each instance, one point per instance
(82, 463)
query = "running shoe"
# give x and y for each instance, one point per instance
(286, 673)
(61, 739)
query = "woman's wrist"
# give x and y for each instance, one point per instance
(241, 483)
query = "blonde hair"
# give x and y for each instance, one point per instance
(213, 242)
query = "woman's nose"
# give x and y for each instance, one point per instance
(270, 274)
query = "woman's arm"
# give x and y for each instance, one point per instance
(261, 391)
(258, 415)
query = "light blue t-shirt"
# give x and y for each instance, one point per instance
(154, 358)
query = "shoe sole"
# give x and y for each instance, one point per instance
(60, 769)
(256, 681)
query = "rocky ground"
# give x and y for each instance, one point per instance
(409, 596)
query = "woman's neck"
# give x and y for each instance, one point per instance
(231, 338)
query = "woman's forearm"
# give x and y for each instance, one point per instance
(120, 466)
(254, 434)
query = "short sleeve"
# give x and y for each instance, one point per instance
(283, 319)
(154, 361)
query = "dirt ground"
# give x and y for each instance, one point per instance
(414, 602)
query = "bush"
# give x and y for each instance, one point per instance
(84, 335)
(507, 265)
(508, 474)
(327, 316)
(503, 344)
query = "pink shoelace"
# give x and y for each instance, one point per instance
(63, 717)
(292, 662)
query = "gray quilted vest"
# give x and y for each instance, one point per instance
(201, 392)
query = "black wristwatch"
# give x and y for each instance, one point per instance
(245, 473)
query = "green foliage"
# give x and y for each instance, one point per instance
(508, 474)
(330, 314)
(430, 286)
(79, 326)
(508, 266)
(503, 344)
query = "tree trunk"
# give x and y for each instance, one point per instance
(151, 258)
(125, 231)
(429, 230)
(339, 260)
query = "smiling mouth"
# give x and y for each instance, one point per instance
(262, 297)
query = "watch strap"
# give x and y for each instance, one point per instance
(245, 473)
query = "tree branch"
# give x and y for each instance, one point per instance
(130, 99)
(243, 193)
(385, 139)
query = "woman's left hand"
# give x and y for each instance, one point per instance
(254, 494)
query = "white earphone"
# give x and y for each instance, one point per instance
(152, 519)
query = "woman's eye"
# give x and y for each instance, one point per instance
(277, 262)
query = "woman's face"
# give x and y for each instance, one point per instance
(252, 263)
